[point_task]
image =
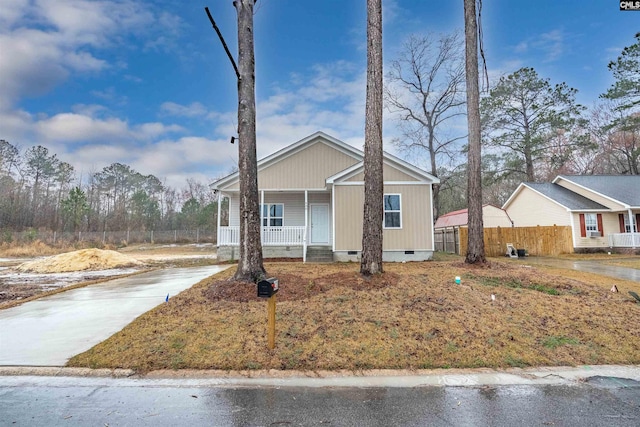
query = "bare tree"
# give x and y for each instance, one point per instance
(371, 261)
(475, 248)
(250, 265)
(425, 91)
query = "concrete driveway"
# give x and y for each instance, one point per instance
(50, 330)
(588, 266)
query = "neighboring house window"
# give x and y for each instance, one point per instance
(273, 215)
(591, 225)
(591, 222)
(627, 226)
(392, 211)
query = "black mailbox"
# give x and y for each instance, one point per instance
(268, 287)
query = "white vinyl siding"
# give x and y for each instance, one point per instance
(530, 208)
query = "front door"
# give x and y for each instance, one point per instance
(319, 224)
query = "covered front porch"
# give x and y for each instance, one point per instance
(629, 235)
(292, 221)
(624, 240)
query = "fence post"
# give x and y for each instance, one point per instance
(151, 236)
(175, 236)
(197, 235)
(104, 237)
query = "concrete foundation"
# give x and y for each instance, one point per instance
(231, 253)
(387, 256)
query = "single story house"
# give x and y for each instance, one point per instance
(312, 198)
(492, 216)
(603, 211)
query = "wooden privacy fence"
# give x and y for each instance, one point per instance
(537, 241)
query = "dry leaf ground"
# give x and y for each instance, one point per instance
(414, 316)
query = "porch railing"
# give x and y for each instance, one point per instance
(624, 240)
(271, 236)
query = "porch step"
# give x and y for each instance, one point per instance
(319, 254)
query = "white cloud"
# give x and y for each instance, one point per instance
(194, 109)
(42, 45)
(552, 45)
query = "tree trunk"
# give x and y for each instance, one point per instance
(371, 261)
(250, 268)
(475, 248)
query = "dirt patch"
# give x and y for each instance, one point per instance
(84, 259)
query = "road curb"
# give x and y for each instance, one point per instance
(562, 375)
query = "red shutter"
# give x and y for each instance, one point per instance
(600, 229)
(583, 227)
(621, 219)
(637, 223)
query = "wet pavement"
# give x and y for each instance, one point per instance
(50, 330)
(594, 401)
(588, 266)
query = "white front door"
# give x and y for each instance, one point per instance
(319, 223)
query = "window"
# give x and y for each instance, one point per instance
(591, 222)
(273, 215)
(392, 211)
(627, 227)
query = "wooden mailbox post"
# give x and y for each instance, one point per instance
(268, 289)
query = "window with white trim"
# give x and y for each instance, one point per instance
(392, 211)
(591, 222)
(272, 215)
(627, 227)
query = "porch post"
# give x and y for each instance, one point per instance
(220, 196)
(306, 221)
(633, 240)
(261, 219)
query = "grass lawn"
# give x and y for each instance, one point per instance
(413, 316)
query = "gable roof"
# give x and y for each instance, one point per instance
(347, 149)
(624, 189)
(453, 219)
(558, 194)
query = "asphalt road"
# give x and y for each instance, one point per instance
(54, 401)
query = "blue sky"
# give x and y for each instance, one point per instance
(147, 83)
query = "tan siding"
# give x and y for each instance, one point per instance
(359, 177)
(590, 195)
(308, 168)
(389, 172)
(530, 208)
(349, 201)
(494, 217)
(234, 210)
(416, 231)
(392, 174)
(610, 224)
(293, 206)
(417, 217)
